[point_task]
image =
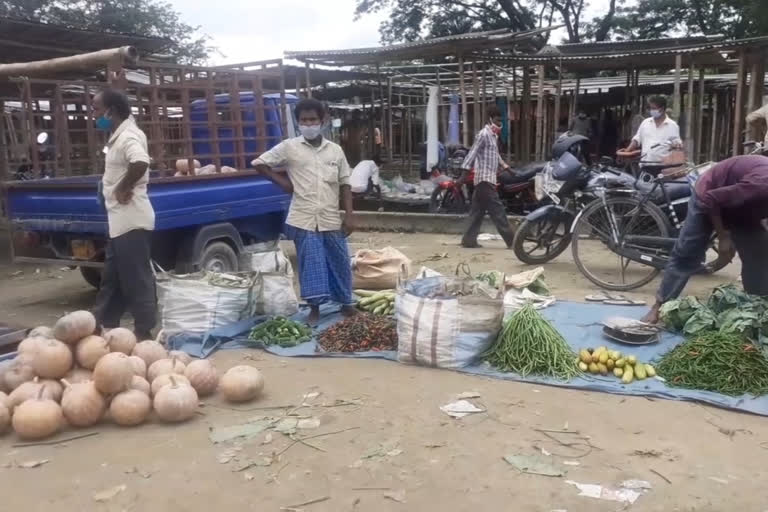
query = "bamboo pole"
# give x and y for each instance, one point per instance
(689, 101)
(525, 119)
(540, 115)
(390, 134)
(676, 105)
(476, 124)
(518, 113)
(309, 83)
(484, 98)
(699, 150)
(283, 110)
(463, 90)
(82, 62)
(509, 128)
(738, 113)
(713, 135)
(440, 130)
(4, 170)
(756, 89)
(558, 93)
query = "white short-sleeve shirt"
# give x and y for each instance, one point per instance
(127, 145)
(317, 173)
(364, 171)
(649, 135)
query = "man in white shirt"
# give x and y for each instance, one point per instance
(317, 175)
(127, 280)
(759, 120)
(365, 177)
(658, 134)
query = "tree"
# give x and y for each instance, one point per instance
(145, 17)
(411, 20)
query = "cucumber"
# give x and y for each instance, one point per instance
(380, 309)
(364, 293)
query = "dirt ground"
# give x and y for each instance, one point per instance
(389, 447)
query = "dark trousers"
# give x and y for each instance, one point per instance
(128, 283)
(751, 243)
(485, 199)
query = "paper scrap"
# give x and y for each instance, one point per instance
(33, 463)
(398, 495)
(460, 408)
(110, 493)
(467, 394)
(533, 464)
(604, 493)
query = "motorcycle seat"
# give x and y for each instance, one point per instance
(530, 170)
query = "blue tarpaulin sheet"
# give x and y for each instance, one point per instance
(580, 324)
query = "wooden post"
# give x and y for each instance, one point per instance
(30, 127)
(390, 135)
(90, 130)
(476, 123)
(493, 84)
(540, 115)
(756, 90)
(283, 113)
(5, 172)
(463, 90)
(526, 117)
(517, 123)
(738, 112)
(410, 134)
(298, 85)
(484, 98)
(575, 101)
(309, 83)
(699, 150)
(689, 136)
(440, 130)
(509, 128)
(382, 128)
(558, 93)
(676, 94)
(713, 153)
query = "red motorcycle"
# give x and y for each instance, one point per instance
(515, 188)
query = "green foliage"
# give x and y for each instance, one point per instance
(141, 17)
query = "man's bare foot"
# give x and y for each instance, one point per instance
(348, 311)
(314, 316)
(652, 317)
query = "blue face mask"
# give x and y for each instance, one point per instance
(104, 124)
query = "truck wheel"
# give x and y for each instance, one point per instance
(219, 257)
(92, 276)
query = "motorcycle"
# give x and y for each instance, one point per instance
(515, 189)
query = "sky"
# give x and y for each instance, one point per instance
(263, 29)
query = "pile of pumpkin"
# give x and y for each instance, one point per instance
(69, 375)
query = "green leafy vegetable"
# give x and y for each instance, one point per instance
(676, 313)
(728, 296)
(702, 320)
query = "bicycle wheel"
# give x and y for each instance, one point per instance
(621, 216)
(542, 240)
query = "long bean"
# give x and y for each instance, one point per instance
(723, 363)
(529, 344)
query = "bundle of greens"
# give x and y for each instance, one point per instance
(719, 362)
(529, 344)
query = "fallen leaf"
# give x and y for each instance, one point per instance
(110, 493)
(33, 463)
(398, 496)
(533, 464)
(245, 430)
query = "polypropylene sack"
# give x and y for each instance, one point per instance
(254, 259)
(447, 322)
(277, 296)
(378, 269)
(202, 301)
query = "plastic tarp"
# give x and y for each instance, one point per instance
(580, 325)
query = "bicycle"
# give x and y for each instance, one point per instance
(629, 223)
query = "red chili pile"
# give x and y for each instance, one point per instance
(360, 333)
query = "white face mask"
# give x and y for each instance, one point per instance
(312, 131)
(656, 113)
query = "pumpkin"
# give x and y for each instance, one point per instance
(180, 355)
(52, 359)
(141, 384)
(5, 418)
(82, 404)
(130, 407)
(29, 345)
(74, 326)
(5, 400)
(77, 375)
(120, 339)
(19, 372)
(45, 388)
(89, 350)
(182, 166)
(165, 379)
(176, 402)
(4, 367)
(37, 418)
(150, 351)
(164, 366)
(241, 383)
(138, 365)
(202, 376)
(113, 373)
(41, 332)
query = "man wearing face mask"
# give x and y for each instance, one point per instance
(486, 160)
(656, 135)
(317, 175)
(127, 280)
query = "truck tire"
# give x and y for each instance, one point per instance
(92, 276)
(219, 257)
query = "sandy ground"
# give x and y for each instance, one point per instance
(389, 446)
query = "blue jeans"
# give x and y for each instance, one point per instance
(751, 243)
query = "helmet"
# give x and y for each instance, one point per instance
(572, 144)
(566, 167)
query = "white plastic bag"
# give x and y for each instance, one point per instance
(274, 260)
(446, 322)
(202, 301)
(276, 295)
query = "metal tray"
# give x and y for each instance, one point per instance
(630, 331)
